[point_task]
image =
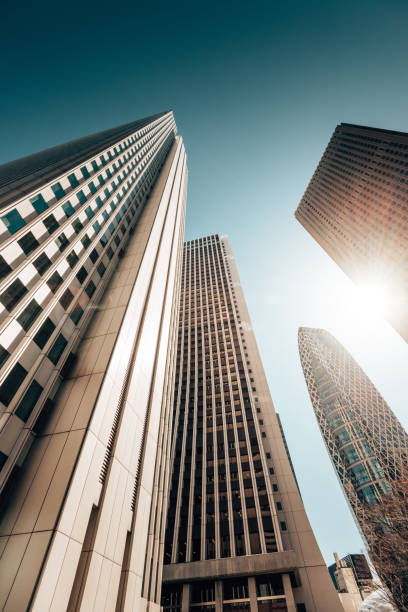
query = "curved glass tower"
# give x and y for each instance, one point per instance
(366, 443)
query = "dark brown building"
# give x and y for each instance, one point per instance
(237, 536)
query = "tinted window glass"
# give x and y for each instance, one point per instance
(13, 221)
(51, 224)
(68, 208)
(62, 242)
(12, 383)
(4, 268)
(28, 243)
(29, 315)
(76, 314)
(58, 190)
(29, 400)
(54, 281)
(42, 336)
(39, 204)
(42, 263)
(57, 349)
(13, 294)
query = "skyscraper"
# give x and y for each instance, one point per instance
(366, 443)
(237, 535)
(356, 208)
(91, 250)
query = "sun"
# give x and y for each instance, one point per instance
(375, 298)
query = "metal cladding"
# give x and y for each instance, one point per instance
(91, 249)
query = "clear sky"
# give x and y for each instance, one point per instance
(257, 89)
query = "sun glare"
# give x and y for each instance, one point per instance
(375, 298)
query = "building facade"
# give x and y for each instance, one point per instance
(360, 568)
(91, 237)
(237, 536)
(356, 206)
(366, 443)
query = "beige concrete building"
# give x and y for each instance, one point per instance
(356, 206)
(237, 536)
(91, 239)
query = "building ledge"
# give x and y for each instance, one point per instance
(228, 567)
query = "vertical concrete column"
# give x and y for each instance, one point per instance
(252, 594)
(287, 587)
(218, 596)
(185, 598)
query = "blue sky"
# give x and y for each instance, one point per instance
(257, 89)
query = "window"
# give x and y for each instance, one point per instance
(77, 225)
(13, 294)
(93, 255)
(92, 187)
(68, 208)
(278, 506)
(89, 212)
(271, 471)
(300, 607)
(28, 243)
(76, 314)
(4, 268)
(13, 221)
(51, 224)
(57, 349)
(4, 355)
(62, 242)
(72, 258)
(99, 202)
(42, 263)
(12, 383)
(66, 298)
(29, 400)
(103, 240)
(268, 455)
(59, 192)
(39, 204)
(275, 487)
(73, 180)
(82, 274)
(283, 525)
(90, 289)
(81, 197)
(29, 315)
(44, 333)
(85, 172)
(96, 226)
(54, 281)
(86, 241)
(101, 269)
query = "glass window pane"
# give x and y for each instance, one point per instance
(57, 349)
(13, 294)
(29, 315)
(12, 383)
(58, 191)
(44, 333)
(39, 204)
(29, 400)
(42, 263)
(28, 243)
(13, 221)
(68, 208)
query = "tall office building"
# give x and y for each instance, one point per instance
(366, 443)
(91, 251)
(237, 535)
(356, 208)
